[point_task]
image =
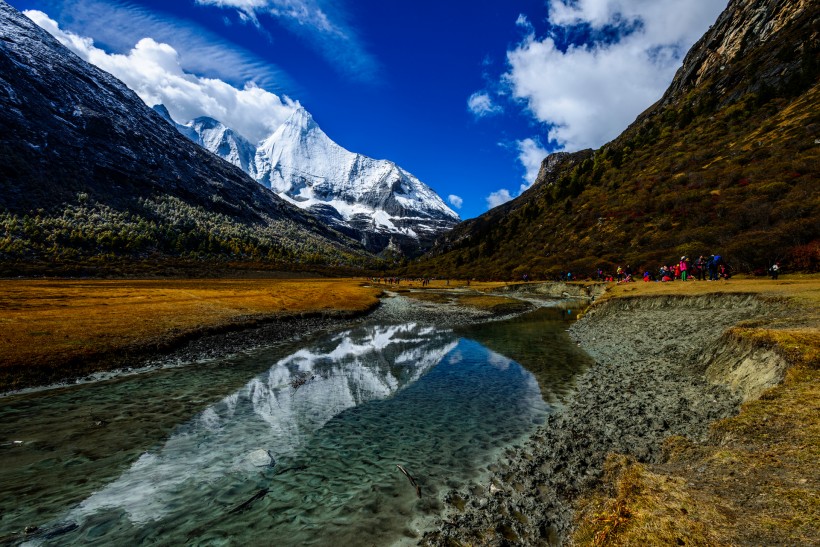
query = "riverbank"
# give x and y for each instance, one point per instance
(668, 366)
(62, 331)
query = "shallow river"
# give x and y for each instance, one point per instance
(294, 446)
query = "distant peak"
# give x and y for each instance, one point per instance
(205, 122)
(162, 111)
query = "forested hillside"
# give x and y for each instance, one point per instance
(726, 162)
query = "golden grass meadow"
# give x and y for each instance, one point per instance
(49, 323)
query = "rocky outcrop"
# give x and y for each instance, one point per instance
(558, 163)
(750, 37)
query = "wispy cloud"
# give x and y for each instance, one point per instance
(587, 93)
(481, 104)
(455, 201)
(117, 25)
(154, 71)
(324, 24)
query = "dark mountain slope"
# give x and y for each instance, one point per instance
(726, 162)
(88, 170)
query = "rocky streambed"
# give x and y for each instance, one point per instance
(649, 381)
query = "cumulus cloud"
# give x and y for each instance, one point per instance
(588, 93)
(455, 201)
(322, 23)
(153, 71)
(530, 154)
(481, 104)
(498, 198)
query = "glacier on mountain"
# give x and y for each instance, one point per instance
(374, 201)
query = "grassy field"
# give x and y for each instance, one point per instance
(803, 289)
(756, 479)
(49, 323)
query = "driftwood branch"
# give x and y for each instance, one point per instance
(411, 479)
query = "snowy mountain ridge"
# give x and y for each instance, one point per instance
(375, 201)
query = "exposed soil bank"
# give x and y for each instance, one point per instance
(649, 382)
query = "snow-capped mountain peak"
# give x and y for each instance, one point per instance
(224, 142)
(375, 201)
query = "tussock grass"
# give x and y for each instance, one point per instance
(49, 323)
(647, 508)
(756, 480)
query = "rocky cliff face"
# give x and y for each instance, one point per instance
(754, 43)
(374, 201)
(86, 169)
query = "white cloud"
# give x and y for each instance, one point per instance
(524, 22)
(530, 154)
(589, 93)
(119, 25)
(323, 23)
(153, 71)
(455, 201)
(498, 198)
(480, 104)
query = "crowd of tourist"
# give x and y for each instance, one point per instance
(711, 268)
(704, 268)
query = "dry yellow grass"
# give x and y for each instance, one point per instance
(757, 480)
(50, 322)
(648, 508)
(804, 289)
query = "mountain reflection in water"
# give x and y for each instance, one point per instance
(335, 417)
(270, 413)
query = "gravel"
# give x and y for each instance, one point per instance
(645, 386)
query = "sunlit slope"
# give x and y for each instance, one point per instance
(726, 162)
(89, 172)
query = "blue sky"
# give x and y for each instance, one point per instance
(467, 95)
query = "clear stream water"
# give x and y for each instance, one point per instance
(293, 446)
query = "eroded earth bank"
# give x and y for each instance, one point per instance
(662, 368)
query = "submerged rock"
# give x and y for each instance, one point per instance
(260, 458)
